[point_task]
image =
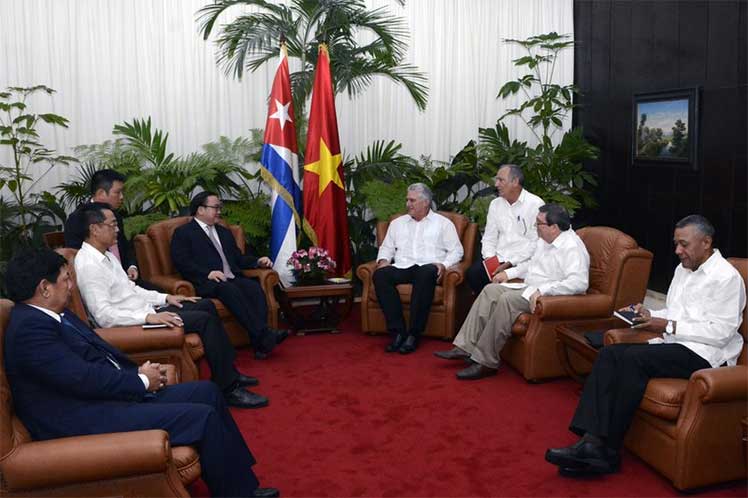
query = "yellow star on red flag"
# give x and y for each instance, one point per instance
(326, 167)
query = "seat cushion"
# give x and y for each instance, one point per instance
(664, 398)
(406, 290)
(187, 462)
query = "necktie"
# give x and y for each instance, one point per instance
(213, 236)
(115, 250)
(109, 357)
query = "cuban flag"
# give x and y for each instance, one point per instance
(280, 165)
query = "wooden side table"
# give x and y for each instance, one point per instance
(322, 317)
(572, 338)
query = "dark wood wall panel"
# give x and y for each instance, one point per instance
(628, 47)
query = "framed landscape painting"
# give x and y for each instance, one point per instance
(666, 128)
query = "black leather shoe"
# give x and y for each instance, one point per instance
(261, 355)
(409, 346)
(266, 493)
(246, 381)
(395, 344)
(475, 371)
(584, 455)
(241, 398)
(453, 354)
(280, 336)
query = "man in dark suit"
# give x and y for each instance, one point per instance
(206, 254)
(66, 381)
(107, 191)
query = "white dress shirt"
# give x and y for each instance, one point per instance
(434, 239)
(207, 229)
(560, 268)
(510, 230)
(112, 299)
(707, 305)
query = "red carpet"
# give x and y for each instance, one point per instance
(346, 419)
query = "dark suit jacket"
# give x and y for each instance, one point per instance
(61, 380)
(195, 256)
(75, 232)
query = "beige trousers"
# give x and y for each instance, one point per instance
(489, 324)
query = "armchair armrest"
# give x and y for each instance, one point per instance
(137, 339)
(719, 385)
(267, 277)
(59, 462)
(454, 275)
(366, 270)
(629, 336)
(172, 284)
(574, 307)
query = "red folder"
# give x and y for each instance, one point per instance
(491, 265)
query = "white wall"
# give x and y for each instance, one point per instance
(115, 60)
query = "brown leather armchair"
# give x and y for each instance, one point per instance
(170, 346)
(153, 250)
(452, 298)
(619, 271)
(690, 430)
(118, 464)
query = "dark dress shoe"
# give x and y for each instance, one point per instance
(241, 398)
(266, 493)
(246, 381)
(395, 344)
(409, 346)
(584, 455)
(453, 354)
(475, 371)
(261, 355)
(280, 336)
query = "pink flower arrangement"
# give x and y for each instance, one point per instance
(313, 264)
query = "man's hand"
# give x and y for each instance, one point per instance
(645, 317)
(264, 262)
(132, 273)
(382, 263)
(440, 269)
(176, 300)
(500, 277)
(534, 301)
(165, 317)
(156, 374)
(217, 276)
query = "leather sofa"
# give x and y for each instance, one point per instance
(153, 251)
(127, 464)
(619, 271)
(690, 430)
(452, 298)
(164, 345)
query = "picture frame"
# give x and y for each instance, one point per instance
(665, 128)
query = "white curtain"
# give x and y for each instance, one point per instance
(115, 60)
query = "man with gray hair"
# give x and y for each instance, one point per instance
(699, 326)
(417, 249)
(559, 266)
(509, 234)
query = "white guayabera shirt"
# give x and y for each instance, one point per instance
(434, 239)
(707, 305)
(510, 230)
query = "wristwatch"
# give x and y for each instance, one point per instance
(669, 329)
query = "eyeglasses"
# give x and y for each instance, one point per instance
(111, 224)
(217, 207)
(537, 223)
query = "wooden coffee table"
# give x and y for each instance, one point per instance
(320, 317)
(571, 338)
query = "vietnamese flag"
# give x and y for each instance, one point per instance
(324, 191)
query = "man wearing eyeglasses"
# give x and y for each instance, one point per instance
(206, 254)
(559, 266)
(113, 301)
(509, 233)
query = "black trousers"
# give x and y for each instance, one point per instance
(194, 413)
(201, 317)
(616, 385)
(245, 299)
(423, 279)
(476, 276)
